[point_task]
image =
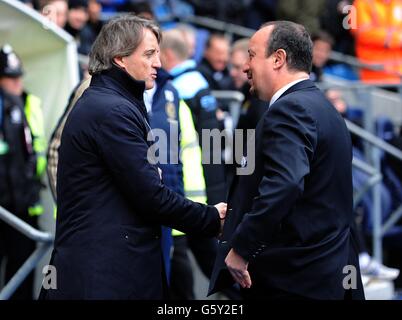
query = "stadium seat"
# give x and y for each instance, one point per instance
(359, 180)
(366, 204)
(341, 70)
(202, 36)
(385, 130)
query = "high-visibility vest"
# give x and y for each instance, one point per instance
(378, 36)
(191, 157)
(34, 116)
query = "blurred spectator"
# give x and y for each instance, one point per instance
(112, 5)
(76, 25)
(167, 112)
(22, 164)
(224, 10)
(252, 108)
(322, 47)
(168, 11)
(259, 12)
(83, 33)
(353, 114)
(214, 64)
(140, 8)
(194, 90)
(305, 12)
(337, 100)
(332, 22)
(94, 17)
(77, 16)
(55, 10)
(378, 37)
(238, 57)
(162, 103)
(190, 36)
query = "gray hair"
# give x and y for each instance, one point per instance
(187, 30)
(173, 39)
(119, 38)
(241, 45)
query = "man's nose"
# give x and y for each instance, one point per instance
(157, 62)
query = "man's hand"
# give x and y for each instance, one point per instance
(238, 269)
(222, 208)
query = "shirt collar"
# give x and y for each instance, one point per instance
(149, 97)
(123, 79)
(282, 90)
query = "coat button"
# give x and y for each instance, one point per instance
(126, 237)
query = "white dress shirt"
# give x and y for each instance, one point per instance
(282, 90)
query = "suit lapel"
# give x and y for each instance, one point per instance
(305, 84)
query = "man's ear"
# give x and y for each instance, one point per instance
(119, 61)
(279, 58)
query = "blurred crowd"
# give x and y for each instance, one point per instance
(368, 29)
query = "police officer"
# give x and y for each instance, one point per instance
(22, 164)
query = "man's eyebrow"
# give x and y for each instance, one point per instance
(250, 51)
(149, 51)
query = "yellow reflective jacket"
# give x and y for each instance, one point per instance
(34, 115)
(190, 154)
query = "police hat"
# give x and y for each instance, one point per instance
(10, 63)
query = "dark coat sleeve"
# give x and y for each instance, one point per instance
(288, 144)
(124, 149)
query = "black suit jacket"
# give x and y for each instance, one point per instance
(291, 217)
(111, 201)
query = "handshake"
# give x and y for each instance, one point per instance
(222, 208)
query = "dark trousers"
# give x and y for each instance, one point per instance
(182, 279)
(204, 251)
(15, 249)
(181, 274)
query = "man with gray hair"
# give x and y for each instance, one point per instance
(110, 198)
(195, 91)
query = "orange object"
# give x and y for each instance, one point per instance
(379, 38)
